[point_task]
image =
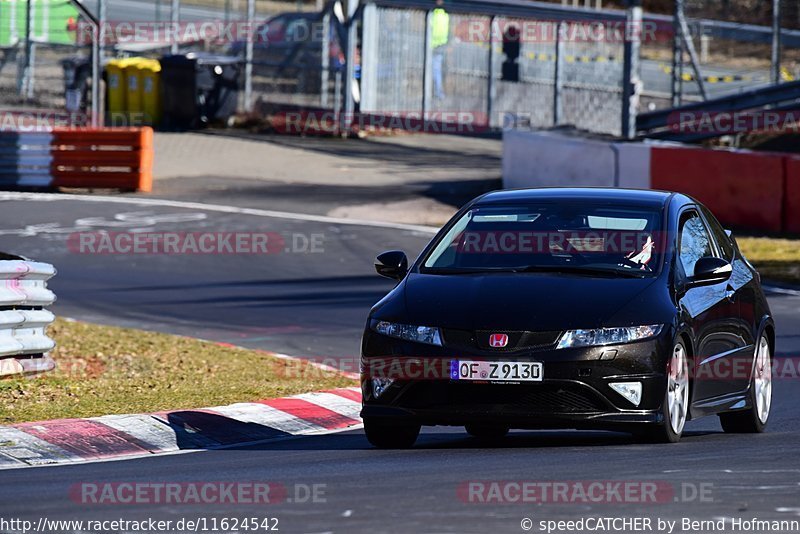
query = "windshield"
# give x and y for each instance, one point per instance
(551, 237)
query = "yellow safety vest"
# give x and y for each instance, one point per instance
(440, 28)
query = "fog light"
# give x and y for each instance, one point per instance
(379, 385)
(630, 390)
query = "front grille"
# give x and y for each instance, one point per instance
(517, 340)
(533, 398)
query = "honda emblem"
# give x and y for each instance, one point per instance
(498, 341)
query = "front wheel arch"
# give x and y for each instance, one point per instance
(769, 330)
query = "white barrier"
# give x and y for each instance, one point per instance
(23, 324)
(542, 159)
(25, 159)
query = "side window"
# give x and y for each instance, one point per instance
(722, 239)
(695, 243)
(297, 31)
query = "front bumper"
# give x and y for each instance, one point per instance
(547, 405)
(574, 392)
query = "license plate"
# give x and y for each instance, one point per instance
(496, 371)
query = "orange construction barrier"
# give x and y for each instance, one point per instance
(114, 158)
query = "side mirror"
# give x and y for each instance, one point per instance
(709, 271)
(392, 264)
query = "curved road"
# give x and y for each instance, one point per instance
(313, 304)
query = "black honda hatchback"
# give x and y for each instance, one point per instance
(569, 308)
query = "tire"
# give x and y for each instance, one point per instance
(675, 408)
(487, 431)
(388, 434)
(754, 419)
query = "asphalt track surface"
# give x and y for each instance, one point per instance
(313, 305)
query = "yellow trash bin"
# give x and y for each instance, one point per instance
(150, 78)
(117, 71)
(133, 85)
(116, 91)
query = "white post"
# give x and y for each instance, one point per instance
(175, 20)
(248, 56)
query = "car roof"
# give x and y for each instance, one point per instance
(641, 197)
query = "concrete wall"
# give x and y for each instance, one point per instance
(541, 159)
(745, 189)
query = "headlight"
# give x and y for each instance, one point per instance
(420, 334)
(607, 336)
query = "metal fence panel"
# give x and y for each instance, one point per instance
(531, 97)
(732, 39)
(397, 64)
(593, 78)
(465, 69)
(590, 72)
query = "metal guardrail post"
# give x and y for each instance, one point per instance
(631, 83)
(677, 55)
(370, 36)
(776, 41)
(175, 20)
(427, 65)
(350, 63)
(558, 81)
(248, 56)
(101, 25)
(337, 97)
(97, 110)
(687, 40)
(491, 92)
(325, 60)
(96, 119)
(26, 80)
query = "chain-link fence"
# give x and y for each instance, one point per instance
(408, 59)
(732, 45)
(556, 77)
(46, 73)
(39, 82)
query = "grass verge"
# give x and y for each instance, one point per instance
(775, 259)
(107, 370)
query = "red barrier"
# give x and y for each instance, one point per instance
(115, 158)
(791, 198)
(743, 189)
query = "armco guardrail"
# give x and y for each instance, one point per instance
(686, 122)
(105, 158)
(24, 343)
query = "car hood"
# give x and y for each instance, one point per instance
(541, 302)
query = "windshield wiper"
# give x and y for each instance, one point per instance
(570, 269)
(579, 270)
(468, 270)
